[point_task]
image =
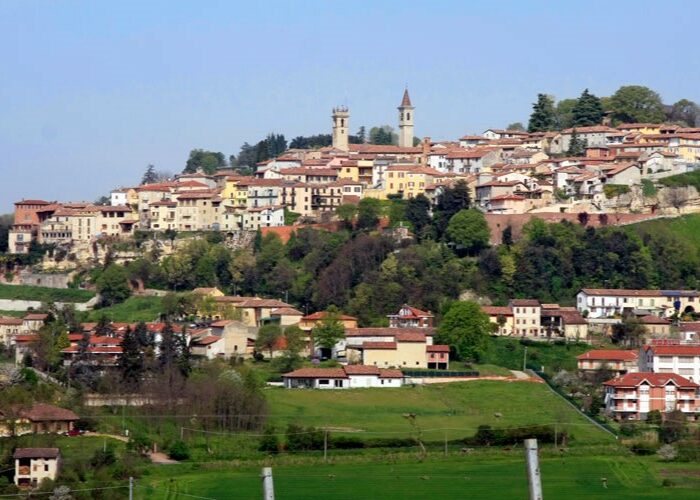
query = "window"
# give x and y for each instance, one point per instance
(338, 383)
(686, 359)
(323, 382)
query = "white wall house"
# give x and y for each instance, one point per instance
(681, 359)
(33, 465)
(346, 377)
(607, 302)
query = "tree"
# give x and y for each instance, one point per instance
(563, 114)
(150, 176)
(517, 126)
(507, 236)
(685, 112)
(346, 213)
(630, 332)
(468, 230)
(577, 146)
(636, 104)
(449, 202)
(673, 427)
(113, 285)
(587, 111)
(465, 328)
(418, 213)
(329, 331)
(542, 117)
(361, 135)
(383, 135)
(131, 362)
(583, 218)
(268, 336)
(206, 161)
(368, 214)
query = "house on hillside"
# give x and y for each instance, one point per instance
(411, 317)
(615, 360)
(633, 395)
(40, 418)
(672, 358)
(34, 465)
(346, 377)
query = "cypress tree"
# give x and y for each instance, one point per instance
(542, 117)
(588, 110)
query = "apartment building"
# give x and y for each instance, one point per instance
(616, 360)
(608, 302)
(633, 395)
(669, 358)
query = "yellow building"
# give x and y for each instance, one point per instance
(409, 350)
(640, 128)
(409, 180)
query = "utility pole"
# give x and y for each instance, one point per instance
(131, 488)
(445, 443)
(268, 487)
(533, 469)
(525, 358)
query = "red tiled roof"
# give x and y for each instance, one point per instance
(221, 323)
(322, 314)
(651, 319)
(414, 312)
(211, 339)
(25, 339)
(387, 373)
(675, 350)
(9, 321)
(379, 345)
(496, 310)
(406, 101)
(410, 337)
(620, 292)
(317, 373)
(634, 379)
(36, 316)
(609, 354)
(525, 302)
(385, 331)
(286, 311)
(42, 412)
(361, 370)
(437, 348)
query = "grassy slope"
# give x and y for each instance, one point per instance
(456, 477)
(44, 294)
(132, 310)
(509, 353)
(461, 407)
(15, 314)
(686, 227)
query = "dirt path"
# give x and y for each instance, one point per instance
(161, 458)
(123, 439)
(520, 375)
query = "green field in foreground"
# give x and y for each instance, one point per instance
(44, 294)
(454, 477)
(459, 407)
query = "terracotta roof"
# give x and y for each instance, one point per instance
(25, 339)
(388, 373)
(379, 345)
(609, 354)
(651, 319)
(675, 350)
(36, 453)
(286, 311)
(322, 314)
(384, 331)
(496, 310)
(317, 373)
(437, 348)
(36, 316)
(410, 337)
(414, 313)
(620, 292)
(9, 321)
(211, 339)
(634, 379)
(221, 323)
(406, 101)
(361, 370)
(46, 412)
(507, 197)
(525, 302)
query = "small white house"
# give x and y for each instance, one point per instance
(346, 377)
(33, 465)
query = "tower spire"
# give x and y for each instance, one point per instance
(406, 121)
(406, 101)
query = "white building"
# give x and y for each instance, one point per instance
(346, 377)
(607, 302)
(33, 465)
(683, 360)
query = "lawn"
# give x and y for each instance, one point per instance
(15, 314)
(686, 228)
(458, 407)
(453, 477)
(74, 448)
(131, 310)
(44, 294)
(509, 353)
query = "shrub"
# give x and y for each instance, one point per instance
(614, 190)
(179, 451)
(667, 452)
(643, 448)
(103, 457)
(269, 442)
(301, 439)
(688, 451)
(346, 443)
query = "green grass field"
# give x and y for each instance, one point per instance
(459, 407)
(15, 314)
(509, 353)
(131, 310)
(452, 477)
(687, 228)
(44, 294)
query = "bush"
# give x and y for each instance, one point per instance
(688, 451)
(667, 452)
(628, 429)
(346, 443)
(103, 457)
(179, 451)
(487, 436)
(269, 442)
(304, 439)
(614, 190)
(86, 424)
(643, 448)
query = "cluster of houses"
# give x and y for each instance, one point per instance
(506, 171)
(33, 465)
(662, 376)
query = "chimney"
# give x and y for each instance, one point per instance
(426, 150)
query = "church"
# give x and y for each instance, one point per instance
(341, 125)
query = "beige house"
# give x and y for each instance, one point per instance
(308, 322)
(526, 317)
(198, 211)
(408, 350)
(9, 328)
(616, 360)
(502, 317)
(236, 336)
(33, 465)
(163, 215)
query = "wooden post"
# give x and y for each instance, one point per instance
(325, 445)
(533, 469)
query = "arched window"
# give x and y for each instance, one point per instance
(408, 116)
(342, 122)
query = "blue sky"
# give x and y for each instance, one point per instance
(91, 92)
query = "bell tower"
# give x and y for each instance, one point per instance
(406, 121)
(341, 119)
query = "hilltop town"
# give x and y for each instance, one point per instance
(506, 263)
